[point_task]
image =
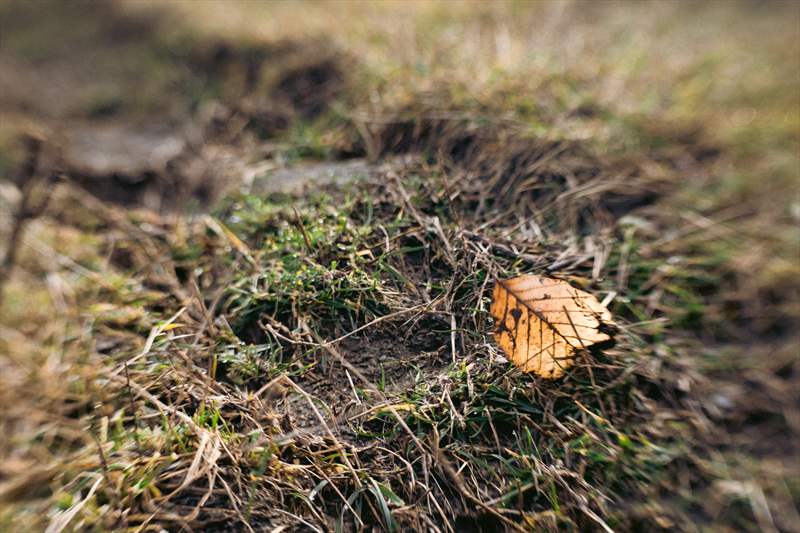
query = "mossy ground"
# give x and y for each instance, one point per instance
(324, 361)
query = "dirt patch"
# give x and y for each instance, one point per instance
(394, 366)
(157, 168)
(296, 179)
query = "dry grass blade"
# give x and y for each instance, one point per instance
(61, 520)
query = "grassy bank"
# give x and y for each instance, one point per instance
(249, 358)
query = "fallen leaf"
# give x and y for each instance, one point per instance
(541, 322)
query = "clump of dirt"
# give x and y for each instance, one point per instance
(310, 88)
(507, 169)
(263, 89)
(166, 167)
(169, 121)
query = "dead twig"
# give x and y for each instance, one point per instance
(36, 193)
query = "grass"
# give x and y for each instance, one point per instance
(324, 361)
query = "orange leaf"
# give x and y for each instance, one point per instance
(541, 322)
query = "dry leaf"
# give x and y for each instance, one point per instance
(540, 323)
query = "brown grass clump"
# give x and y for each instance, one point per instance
(361, 375)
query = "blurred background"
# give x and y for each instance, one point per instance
(152, 114)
